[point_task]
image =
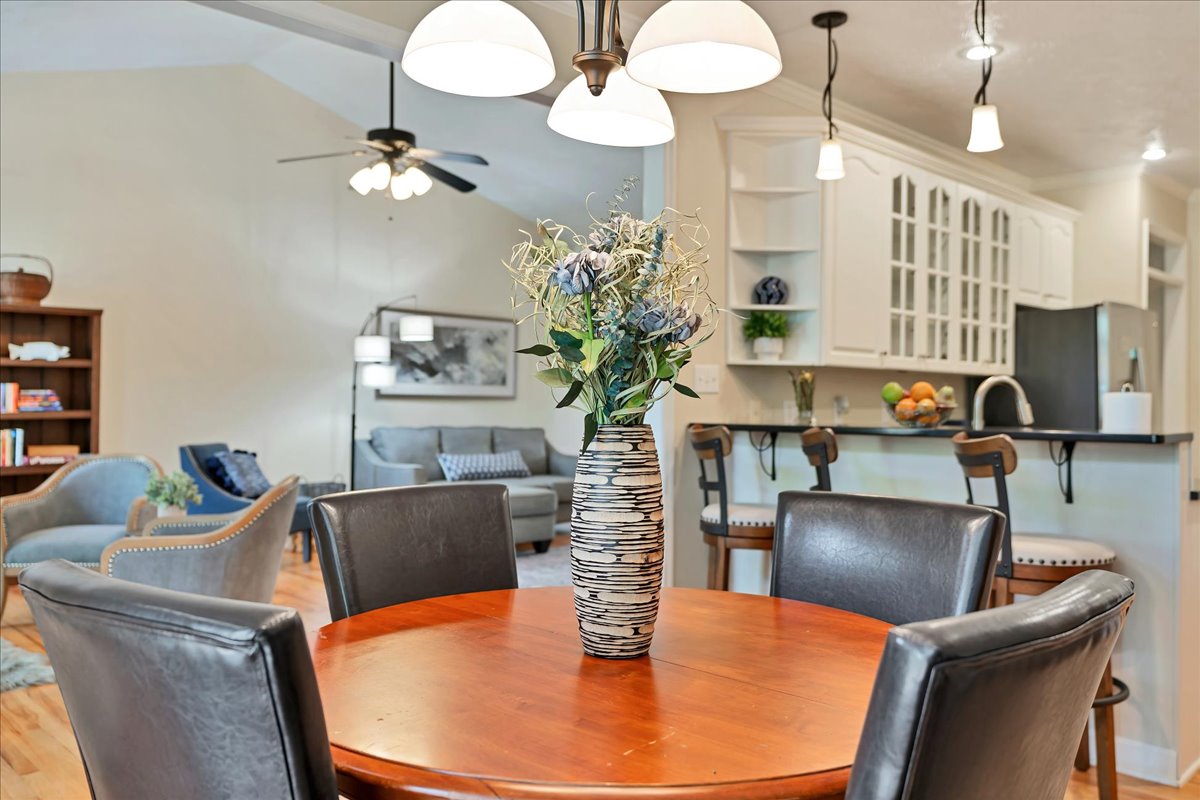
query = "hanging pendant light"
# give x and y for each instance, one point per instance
(627, 114)
(704, 47)
(985, 121)
(362, 182)
(480, 48)
(829, 164)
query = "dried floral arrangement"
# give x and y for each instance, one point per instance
(619, 311)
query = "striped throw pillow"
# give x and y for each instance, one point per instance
(483, 466)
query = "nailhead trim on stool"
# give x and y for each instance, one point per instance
(1060, 551)
(742, 514)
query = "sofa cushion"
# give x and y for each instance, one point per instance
(531, 501)
(244, 473)
(482, 466)
(82, 544)
(467, 440)
(531, 442)
(410, 446)
(561, 486)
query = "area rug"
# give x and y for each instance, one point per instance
(20, 668)
(552, 568)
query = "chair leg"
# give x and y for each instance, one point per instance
(1106, 741)
(306, 539)
(1083, 759)
(5, 582)
(1001, 596)
(722, 578)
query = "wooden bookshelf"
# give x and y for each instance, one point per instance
(75, 379)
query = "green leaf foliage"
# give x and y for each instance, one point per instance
(572, 354)
(571, 394)
(540, 350)
(555, 377)
(565, 339)
(589, 431)
(686, 391)
(765, 324)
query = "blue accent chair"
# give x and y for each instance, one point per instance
(193, 458)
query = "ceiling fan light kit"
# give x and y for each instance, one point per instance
(697, 46)
(704, 47)
(985, 120)
(479, 48)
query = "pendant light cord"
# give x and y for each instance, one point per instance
(980, 28)
(831, 57)
(391, 94)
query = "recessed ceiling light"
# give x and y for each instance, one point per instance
(1155, 152)
(978, 52)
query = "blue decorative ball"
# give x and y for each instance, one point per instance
(770, 291)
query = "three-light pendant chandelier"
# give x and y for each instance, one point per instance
(488, 48)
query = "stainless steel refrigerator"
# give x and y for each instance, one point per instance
(1067, 358)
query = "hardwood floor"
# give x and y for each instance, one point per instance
(39, 759)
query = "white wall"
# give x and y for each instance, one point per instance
(232, 286)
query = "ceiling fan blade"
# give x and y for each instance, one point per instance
(426, 153)
(448, 178)
(323, 155)
(383, 147)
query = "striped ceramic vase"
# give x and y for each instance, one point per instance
(617, 541)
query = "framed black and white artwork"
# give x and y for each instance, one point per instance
(466, 357)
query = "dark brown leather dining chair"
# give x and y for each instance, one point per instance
(380, 547)
(989, 705)
(182, 696)
(892, 559)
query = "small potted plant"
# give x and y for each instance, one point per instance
(171, 493)
(767, 329)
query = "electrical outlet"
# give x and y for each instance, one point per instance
(707, 378)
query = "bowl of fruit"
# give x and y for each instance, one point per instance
(919, 406)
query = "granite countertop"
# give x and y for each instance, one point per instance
(948, 430)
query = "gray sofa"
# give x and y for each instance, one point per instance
(402, 456)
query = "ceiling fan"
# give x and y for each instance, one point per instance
(403, 169)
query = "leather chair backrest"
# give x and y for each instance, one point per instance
(380, 547)
(990, 705)
(240, 560)
(892, 559)
(182, 696)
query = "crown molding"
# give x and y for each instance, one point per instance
(1088, 178)
(921, 158)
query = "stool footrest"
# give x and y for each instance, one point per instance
(1119, 696)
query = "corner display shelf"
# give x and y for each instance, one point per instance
(774, 228)
(75, 379)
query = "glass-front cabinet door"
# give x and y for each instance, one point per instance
(969, 219)
(998, 324)
(937, 212)
(903, 266)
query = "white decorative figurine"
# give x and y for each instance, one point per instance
(38, 351)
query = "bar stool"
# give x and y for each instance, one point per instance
(727, 526)
(820, 445)
(1031, 565)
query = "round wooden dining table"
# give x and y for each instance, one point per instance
(490, 695)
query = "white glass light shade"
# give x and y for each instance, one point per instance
(978, 52)
(401, 187)
(627, 114)
(419, 181)
(480, 48)
(362, 182)
(378, 375)
(381, 175)
(985, 130)
(829, 164)
(1154, 152)
(703, 47)
(416, 328)
(372, 348)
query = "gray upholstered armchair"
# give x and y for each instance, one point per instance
(75, 513)
(222, 555)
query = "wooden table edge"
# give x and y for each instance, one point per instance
(362, 777)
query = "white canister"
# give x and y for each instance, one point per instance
(1126, 412)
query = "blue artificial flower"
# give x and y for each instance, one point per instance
(688, 325)
(577, 272)
(647, 317)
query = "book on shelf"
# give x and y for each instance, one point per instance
(12, 447)
(9, 392)
(51, 454)
(38, 400)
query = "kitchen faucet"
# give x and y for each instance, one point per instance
(1024, 410)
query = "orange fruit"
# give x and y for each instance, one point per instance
(906, 409)
(922, 390)
(928, 420)
(926, 407)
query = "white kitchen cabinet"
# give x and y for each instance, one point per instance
(905, 263)
(1045, 246)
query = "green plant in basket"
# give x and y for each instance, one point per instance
(176, 489)
(765, 325)
(620, 310)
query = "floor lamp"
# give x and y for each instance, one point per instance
(373, 353)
